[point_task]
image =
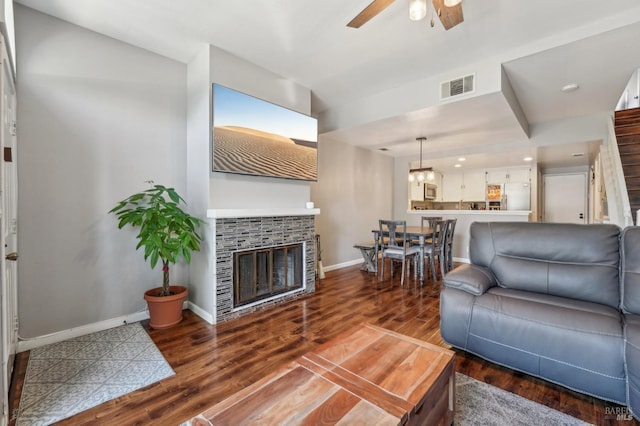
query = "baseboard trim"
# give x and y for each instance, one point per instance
(36, 342)
(201, 312)
(59, 336)
(360, 261)
(342, 265)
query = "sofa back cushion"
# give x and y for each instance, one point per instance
(630, 261)
(567, 260)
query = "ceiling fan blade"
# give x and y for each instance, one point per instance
(449, 16)
(369, 12)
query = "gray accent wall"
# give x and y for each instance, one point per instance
(96, 119)
(353, 191)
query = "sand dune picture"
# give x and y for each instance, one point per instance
(254, 152)
(254, 137)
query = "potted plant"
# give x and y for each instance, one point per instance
(167, 234)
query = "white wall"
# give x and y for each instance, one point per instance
(202, 266)
(410, 96)
(631, 96)
(241, 191)
(209, 190)
(353, 191)
(96, 118)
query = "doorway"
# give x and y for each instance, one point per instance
(8, 227)
(565, 198)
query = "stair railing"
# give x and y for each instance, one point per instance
(615, 184)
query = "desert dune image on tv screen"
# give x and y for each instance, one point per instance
(255, 137)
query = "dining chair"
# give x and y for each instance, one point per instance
(426, 222)
(437, 247)
(430, 220)
(449, 244)
(393, 249)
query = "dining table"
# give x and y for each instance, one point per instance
(418, 233)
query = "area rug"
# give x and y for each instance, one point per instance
(478, 403)
(65, 378)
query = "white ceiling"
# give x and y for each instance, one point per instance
(542, 44)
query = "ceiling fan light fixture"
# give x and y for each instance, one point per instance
(451, 3)
(417, 9)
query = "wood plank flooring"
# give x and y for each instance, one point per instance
(214, 361)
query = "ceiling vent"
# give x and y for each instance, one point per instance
(457, 86)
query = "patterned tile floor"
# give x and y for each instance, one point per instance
(65, 378)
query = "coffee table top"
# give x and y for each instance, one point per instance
(367, 373)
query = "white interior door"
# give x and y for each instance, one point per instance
(565, 198)
(8, 229)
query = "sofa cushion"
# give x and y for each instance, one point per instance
(632, 360)
(566, 260)
(630, 267)
(470, 278)
(574, 343)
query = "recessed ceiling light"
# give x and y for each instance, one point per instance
(458, 165)
(383, 149)
(577, 154)
(570, 87)
(527, 159)
(461, 159)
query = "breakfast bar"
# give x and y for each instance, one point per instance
(465, 218)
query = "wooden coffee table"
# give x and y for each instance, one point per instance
(367, 375)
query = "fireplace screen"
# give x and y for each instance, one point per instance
(265, 272)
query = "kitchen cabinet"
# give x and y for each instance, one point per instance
(416, 191)
(467, 186)
(452, 187)
(510, 175)
(520, 175)
(474, 186)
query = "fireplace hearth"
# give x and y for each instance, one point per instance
(266, 272)
(262, 243)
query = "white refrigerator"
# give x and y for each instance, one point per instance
(516, 196)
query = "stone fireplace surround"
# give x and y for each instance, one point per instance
(242, 229)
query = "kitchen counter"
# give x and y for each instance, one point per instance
(465, 218)
(470, 212)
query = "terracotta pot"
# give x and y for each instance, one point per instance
(165, 311)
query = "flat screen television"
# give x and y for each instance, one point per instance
(255, 137)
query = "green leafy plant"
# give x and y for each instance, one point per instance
(167, 232)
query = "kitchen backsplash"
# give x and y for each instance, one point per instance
(435, 205)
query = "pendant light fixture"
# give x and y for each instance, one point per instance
(418, 175)
(417, 9)
(421, 173)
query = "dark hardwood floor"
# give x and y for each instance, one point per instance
(214, 361)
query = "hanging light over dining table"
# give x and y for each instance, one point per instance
(418, 175)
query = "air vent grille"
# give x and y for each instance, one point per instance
(457, 86)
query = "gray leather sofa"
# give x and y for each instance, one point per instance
(557, 301)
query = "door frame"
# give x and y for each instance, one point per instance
(585, 205)
(8, 229)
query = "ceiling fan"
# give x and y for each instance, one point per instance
(449, 12)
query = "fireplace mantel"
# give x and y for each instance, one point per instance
(237, 213)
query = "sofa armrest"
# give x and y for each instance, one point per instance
(470, 278)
